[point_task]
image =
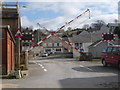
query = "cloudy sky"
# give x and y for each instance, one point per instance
(53, 15)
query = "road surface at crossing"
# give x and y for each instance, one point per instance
(65, 73)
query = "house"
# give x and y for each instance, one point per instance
(8, 45)
(85, 39)
(55, 45)
(97, 47)
(112, 26)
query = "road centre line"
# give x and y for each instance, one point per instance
(45, 70)
(41, 66)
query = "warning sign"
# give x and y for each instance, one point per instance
(27, 37)
(18, 33)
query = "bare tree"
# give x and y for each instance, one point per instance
(86, 26)
(116, 21)
(96, 25)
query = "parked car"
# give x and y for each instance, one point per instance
(44, 54)
(49, 53)
(111, 55)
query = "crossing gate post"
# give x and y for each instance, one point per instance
(26, 59)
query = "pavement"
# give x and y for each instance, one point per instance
(65, 73)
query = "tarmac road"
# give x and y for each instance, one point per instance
(65, 73)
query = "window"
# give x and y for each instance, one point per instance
(109, 50)
(50, 44)
(55, 44)
(60, 44)
(80, 45)
(114, 49)
(47, 50)
(118, 48)
(104, 50)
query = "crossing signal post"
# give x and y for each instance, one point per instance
(108, 37)
(27, 38)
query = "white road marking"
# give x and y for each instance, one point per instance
(89, 69)
(85, 67)
(45, 70)
(41, 66)
(81, 66)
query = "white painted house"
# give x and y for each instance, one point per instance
(85, 39)
(97, 47)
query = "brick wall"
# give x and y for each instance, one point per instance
(7, 53)
(12, 19)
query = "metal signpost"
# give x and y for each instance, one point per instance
(18, 35)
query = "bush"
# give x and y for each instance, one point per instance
(86, 56)
(9, 76)
(23, 67)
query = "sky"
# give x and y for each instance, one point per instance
(53, 14)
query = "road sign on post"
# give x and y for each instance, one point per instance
(27, 37)
(18, 33)
(108, 37)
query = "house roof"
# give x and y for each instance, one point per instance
(95, 43)
(90, 37)
(85, 37)
(7, 27)
(66, 38)
(99, 42)
(114, 24)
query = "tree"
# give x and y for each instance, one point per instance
(117, 31)
(116, 21)
(98, 24)
(86, 26)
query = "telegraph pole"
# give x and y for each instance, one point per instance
(18, 39)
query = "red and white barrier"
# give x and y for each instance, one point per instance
(62, 27)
